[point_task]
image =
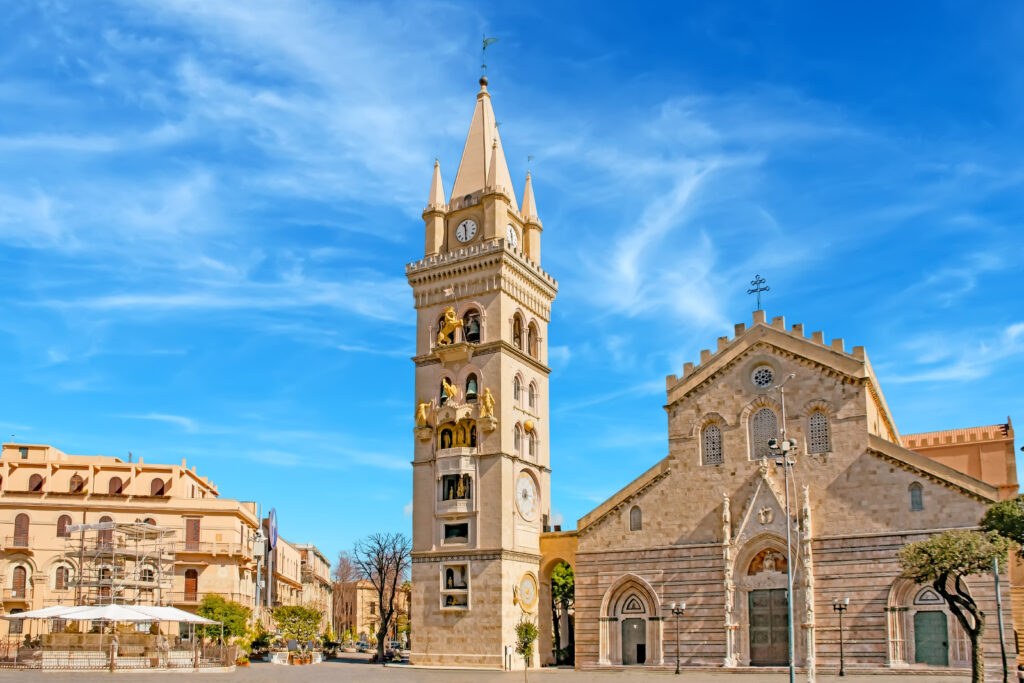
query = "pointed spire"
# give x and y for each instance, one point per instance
(436, 187)
(529, 204)
(482, 151)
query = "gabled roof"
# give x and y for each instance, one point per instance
(932, 469)
(630, 490)
(834, 357)
(481, 142)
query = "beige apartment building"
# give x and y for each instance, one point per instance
(357, 609)
(43, 491)
(316, 581)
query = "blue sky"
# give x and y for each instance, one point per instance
(206, 208)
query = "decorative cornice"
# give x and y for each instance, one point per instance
(433, 556)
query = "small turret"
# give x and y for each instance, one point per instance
(531, 223)
(433, 215)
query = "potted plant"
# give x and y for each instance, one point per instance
(243, 660)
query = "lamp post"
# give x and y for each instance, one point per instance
(841, 606)
(786, 448)
(678, 610)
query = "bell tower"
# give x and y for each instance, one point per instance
(481, 470)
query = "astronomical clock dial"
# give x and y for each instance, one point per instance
(526, 497)
(466, 230)
(512, 236)
(527, 592)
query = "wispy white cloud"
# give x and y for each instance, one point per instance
(941, 358)
(185, 423)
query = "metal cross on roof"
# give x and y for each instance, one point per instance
(758, 281)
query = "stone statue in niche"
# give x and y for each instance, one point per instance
(449, 324)
(768, 560)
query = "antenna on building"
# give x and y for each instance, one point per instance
(757, 288)
(129, 456)
(483, 52)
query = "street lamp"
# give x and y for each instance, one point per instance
(786, 448)
(841, 606)
(677, 610)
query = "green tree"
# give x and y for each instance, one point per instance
(1007, 519)
(563, 594)
(526, 635)
(233, 615)
(300, 623)
(945, 560)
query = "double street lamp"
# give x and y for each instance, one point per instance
(841, 606)
(677, 610)
(786, 448)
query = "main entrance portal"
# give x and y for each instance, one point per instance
(769, 632)
(634, 641)
(931, 640)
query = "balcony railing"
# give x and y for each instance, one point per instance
(196, 597)
(234, 549)
(17, 593)
(18, 541)
(455, 505)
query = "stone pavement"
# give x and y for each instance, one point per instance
(334, 671)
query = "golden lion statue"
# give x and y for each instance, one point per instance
(450, 323)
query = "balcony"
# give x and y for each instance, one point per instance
(19, 541)
(17, 594)
(231, 549)
(455, 506)
(196, 597)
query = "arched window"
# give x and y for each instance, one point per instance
(764, 426)
(471, 326)
(531, 443)
(916, 497)
(21, 531)
(106, 535)
(636, 519)
(532, 395)
(62, 526)
(471, 388)
(517, 439)
(818, 440)
(150, 521)
(61, 577)
(517, 331)
(712, 445)
(19, 582)
(77, 484)
(35, 482)
(146, 574)
(532, 339)
(516, 387)
(158, 488)
(116, 486)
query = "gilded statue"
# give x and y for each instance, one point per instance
(450, 323)
(450, 390)
(460, 491)
(487, 404)
(421, 413)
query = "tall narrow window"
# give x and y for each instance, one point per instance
(21, 531)
(764, 426)
(636, 519)
(35, 482)
(77, 484)
(158, 488)
(19, 582)
(818, 440)
(516, 388)
(192, 533)
(60, 579)
(712, 445)
(471, 388)
(517, 331)
(517, 439)
(115, 487)
(62, 526)
(471, 326)
(531, 443)
(106, 535)
(532, 395)
(532, 341)
(916, 497)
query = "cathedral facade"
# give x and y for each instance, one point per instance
(717, 524)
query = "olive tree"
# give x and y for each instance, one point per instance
(944, 560)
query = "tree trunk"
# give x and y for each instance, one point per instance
(556, 638)
(977, 658)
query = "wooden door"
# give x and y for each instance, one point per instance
(931, 639)
(191, 585)
(18, 583)
(769, 630)
(192, 533)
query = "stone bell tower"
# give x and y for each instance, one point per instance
(481, 467)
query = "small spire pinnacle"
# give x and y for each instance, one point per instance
(529, 204)
(436, 187)
(492, 172)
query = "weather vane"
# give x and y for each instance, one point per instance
(758, 281)
(483, 52)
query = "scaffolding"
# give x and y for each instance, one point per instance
(130, 563)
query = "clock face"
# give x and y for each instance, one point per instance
(466, 230)
(528, 591)
(512, 236)
(526, 497)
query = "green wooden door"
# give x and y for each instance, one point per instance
(931, 644)
(769, 631)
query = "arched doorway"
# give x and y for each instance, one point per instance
(922, 630)
(630, 624)
(556, 642)
(761, 605)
